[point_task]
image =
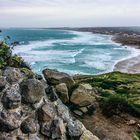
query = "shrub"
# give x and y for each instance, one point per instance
(116, 105)
(7, 59)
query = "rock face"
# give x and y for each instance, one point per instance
(83, 95)
(62, 92)
(32, 90)
(55, 77)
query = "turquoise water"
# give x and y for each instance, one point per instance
(68, 51)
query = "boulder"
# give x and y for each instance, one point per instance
(11, 98)
(46, 129)
(55, 77)
(58, 129)
(63, 111)
(29, 126)
(32, 91)
(47, 112)
(62, 92)
(3, 82)
(9, 121)
(13, 75)
(83, 95)
(87, 135)
(75, 128)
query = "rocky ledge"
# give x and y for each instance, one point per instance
(31, 107)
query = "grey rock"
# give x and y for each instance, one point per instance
(13, 75)
(58, 129)
(29, 125)
(32, 91)
(75, 128)
(11, 98)
(47, 112)
(62, 92)
(63, 111)
(83, 95)
(55, 77)
(9, 121)
(46, 129)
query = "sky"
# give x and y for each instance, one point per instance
(69, 13)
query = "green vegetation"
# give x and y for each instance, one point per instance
(138, 134)
(27, 72)
(121, 91)
(7, 59)
(115, 105)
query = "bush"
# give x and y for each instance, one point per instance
(116, 105)
(7, 59)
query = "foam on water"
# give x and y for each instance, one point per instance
(84, 53)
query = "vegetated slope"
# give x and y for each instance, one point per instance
(118, 107)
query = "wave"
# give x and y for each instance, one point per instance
(86, 52)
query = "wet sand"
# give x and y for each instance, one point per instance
(131, 65)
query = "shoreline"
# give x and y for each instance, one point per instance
(130, 64)
(127, 38)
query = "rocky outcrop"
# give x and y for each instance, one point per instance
(83, 95)
(55, 77)
(31, 109)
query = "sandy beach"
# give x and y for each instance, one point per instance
(129, 65)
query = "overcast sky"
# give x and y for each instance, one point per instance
(72, 13)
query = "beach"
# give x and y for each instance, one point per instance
(131, 65)
(129, 38)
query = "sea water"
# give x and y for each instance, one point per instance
(72, 52)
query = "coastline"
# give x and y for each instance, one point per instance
(131, 64)
(128, 38)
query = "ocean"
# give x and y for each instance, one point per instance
(72, 52)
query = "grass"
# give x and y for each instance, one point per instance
(117, 89)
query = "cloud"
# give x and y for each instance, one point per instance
(44, 13)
